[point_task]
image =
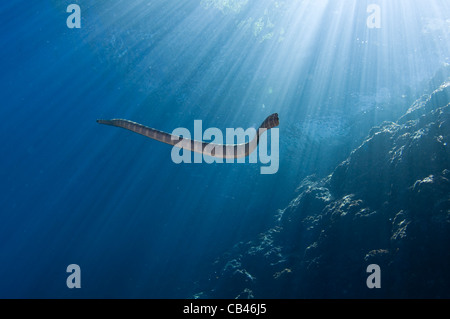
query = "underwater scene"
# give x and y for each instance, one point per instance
(221, 149)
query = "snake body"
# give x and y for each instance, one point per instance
(211, 149)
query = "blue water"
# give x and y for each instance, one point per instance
(138, 225)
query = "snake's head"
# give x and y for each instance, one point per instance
(271, 121)
(276, 120)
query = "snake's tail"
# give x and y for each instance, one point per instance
(106, 122)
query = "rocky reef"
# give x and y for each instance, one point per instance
(388, 204)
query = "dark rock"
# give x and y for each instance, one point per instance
(388, 204)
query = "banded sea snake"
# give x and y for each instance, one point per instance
(211, 149)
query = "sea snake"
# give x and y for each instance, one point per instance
(211, 149)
